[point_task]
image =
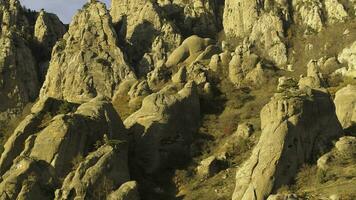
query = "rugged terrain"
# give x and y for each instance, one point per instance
(176, 99)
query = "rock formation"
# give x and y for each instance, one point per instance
(148, 34)
(48, 29)
(163, 127)
(260, 23)
(100, 173)
(345, 102)
(87, 62)
(296, 127)
(18, 74)
(348, 56)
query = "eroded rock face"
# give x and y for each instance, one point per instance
(98, 174)
(309, 14)
(87, 62)
(77, 130)
(345, 102)
(199, 17)
(296, 128)
(148, 35)
(163, 127)
(18, 75)
(348, 56)
(48, 29)
(261, 23)
(28, 179)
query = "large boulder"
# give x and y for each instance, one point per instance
(77, 129)
(189, 50)
(164, 126)
(98, 174)
(345, 102)
(297, 126)
(87, 62)
(28, 179)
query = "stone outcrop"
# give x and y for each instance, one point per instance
(77, 130)
(309, 14)
(262, 24)
(163, 127)
(98, 174)
(199, 17)
(348, 56)
(28, 179)
(87, 62)
(345, 102)
(188, 51)
(247, 68)
(18, 75)
(48, 30)
(297, 125)
(149, 36)
(127, 191)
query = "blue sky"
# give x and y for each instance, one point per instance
(65, 9)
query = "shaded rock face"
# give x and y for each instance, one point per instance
(296, 128)
(148, 35)
(87, 62)
(163, 127)
(76, 130)
(27, 179)
(100, 173)
(18, 77)
(48, 30)
(345, 102)
(198, 17)
(52, 140)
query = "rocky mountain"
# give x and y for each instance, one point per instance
(175, 99)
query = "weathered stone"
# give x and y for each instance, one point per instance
(211, 166)
(164, 125)
(188, 51)
(18, 74)
(87, 62)
(345, 102)
(77, 130)
(48, 30)
(348, 56)
(98, 174)
(127, 191)
(296, 127)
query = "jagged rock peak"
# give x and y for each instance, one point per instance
(48, 29)
(87, 62)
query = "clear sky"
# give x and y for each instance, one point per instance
(65, 9)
